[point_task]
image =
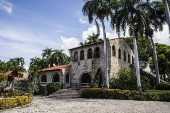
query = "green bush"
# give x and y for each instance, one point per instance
(126, 80)
(53, 87)
(2, 77)
(163, 87)
(15, 101)
(125, 94)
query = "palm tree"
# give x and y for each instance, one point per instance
(47, 52)
(155, 19)
(129, 15)
(59, 58)
(99, 10)
(167, 12)
(141, 21)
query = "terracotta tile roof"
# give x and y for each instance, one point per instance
(56, 68)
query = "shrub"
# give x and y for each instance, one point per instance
(49, 88)
(53, 87)
(15, 101)
(163, 87)
(126, 80)
(125, 94)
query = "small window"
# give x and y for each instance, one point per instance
(81, 55)
(128, 58)
(113, 51)
(56, 77)
(75, 56)
(120, 55)
(43, 78)
(97, 52)
(89, 53)
(125, 56)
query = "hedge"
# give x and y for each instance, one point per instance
(163, 86)
(15, 101)
(125, 94)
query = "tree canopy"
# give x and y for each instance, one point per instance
(50, 57)
(16, 64)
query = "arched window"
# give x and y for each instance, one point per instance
(89, 53)
(75, 56)
(120, 55)
(128, 58)
(43, 78)
(56, 77)
(113, 51)
(125, 56)
(82, 55)
(97, 52)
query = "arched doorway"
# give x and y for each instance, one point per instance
(85, 79)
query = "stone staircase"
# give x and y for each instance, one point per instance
(65, 94)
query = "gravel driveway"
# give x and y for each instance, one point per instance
(49, 105)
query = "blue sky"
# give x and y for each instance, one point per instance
(29, 26)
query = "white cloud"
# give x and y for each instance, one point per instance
(16, 42)
(83, 21)
(6, 6)
(163, 36)
(93, 29)
(68, 43)
(160, 37)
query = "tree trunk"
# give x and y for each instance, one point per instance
(105, 56)
(155, 59)
(167, 12)
(137, 70)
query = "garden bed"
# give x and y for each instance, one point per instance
(15, 101)
(152, 95)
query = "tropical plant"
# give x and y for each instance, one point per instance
(50, 57)
(141, 18)
(91, 39)
(166, 3)
(16, 64)
(129, 15)
(99, 10)
(164, 61)
(155, 17)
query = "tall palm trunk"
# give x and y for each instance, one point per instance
(155, 58)
(105, 55)
(167, 12)
(137, 70)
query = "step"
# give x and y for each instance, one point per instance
(65, 93)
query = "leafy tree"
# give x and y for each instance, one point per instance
(49, 58)
(14, 64)
(37, 64)
(164, 61)
(91, 40)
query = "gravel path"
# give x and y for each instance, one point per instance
(49, 105)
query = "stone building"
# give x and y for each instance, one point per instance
(88, 61)
(88, 65)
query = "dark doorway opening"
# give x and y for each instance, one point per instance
(67, 79)
(85, 79)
